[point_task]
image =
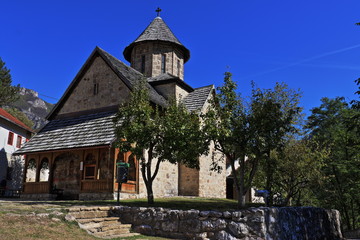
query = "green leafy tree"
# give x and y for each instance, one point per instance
(332, 126)
(246, 132)
(156, 135)
(298, 169)
(8, 93)
(275, 114)
(21, 116)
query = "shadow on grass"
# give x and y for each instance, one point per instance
(181, 203)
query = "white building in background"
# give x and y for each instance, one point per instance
(13, 134)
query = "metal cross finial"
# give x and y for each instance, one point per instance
(158, 10)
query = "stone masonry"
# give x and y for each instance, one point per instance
(296, 223)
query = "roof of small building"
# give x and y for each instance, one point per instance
(166, 78)
(157, 31)
(196, 100)
(80, 132)
(7, 116)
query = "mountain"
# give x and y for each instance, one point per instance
(33, 107)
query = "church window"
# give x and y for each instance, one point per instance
(143, 64)
(96, 88)
(90, 167)
(132, 168)
(10, 138)
(163, 63)
(178, 68)
(18, 142)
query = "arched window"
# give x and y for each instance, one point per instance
(31, 171)
(44, 170)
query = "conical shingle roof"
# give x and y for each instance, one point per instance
(157, 31)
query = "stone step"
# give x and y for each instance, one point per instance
(121, 235)
(97, 220)
(99, 225)
(90, 214)
(83, 209)
(93, 228)
(112, 233)
(116, 226)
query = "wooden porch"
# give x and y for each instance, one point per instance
(76, 172)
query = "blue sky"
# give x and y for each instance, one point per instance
(312, 45)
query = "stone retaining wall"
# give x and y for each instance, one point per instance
(255, 223)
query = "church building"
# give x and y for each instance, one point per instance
(73, 157)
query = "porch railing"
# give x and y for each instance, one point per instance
(36, 187)
(102, 185)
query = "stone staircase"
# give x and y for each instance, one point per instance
(99, 222)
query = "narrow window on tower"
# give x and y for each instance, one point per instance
(163, 63)
(143, 64)
(96, 88)
(178, 68)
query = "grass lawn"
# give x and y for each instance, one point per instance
(23, 220)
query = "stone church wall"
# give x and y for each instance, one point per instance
(188, 181)
(152, 53)
(110, 89)
(212, 183)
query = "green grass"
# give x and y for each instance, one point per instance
(181, 203)
(25, 227)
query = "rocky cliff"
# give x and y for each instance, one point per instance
(33, 107)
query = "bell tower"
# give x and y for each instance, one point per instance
(157, 51)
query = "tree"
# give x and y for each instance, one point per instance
(155, 135)
(332, 126)
(8, 93)
(246, 132)
(275, 113)
(298, 169)
(20, 115)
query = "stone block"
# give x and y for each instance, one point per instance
(238, 229)
(170, 226)
(189, 214)
(190, 225)
(144, 229)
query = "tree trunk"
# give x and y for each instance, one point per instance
(150, 194)
(241, 196)
(269, 179)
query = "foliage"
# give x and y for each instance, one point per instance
(8, 93)
(156, 135)
(21, 116)
(334, 126)
(275, 115)
(246, 132)
(298, 169)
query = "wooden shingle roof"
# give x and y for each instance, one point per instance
(196, 100)
(80, 132)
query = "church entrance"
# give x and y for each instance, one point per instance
(66, 175)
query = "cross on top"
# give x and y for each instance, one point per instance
(158, 10)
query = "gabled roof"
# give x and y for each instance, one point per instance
(167, 78)
(157, 31)
(196, 100)
(7, 116)
(127, 74)
(84, 131)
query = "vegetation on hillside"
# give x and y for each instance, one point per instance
(20, 115)
(8, 92)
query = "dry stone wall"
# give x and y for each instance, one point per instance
(255, 223)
